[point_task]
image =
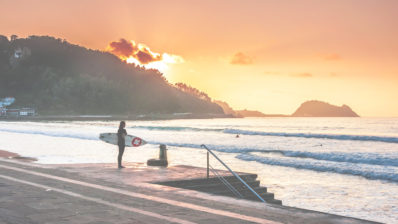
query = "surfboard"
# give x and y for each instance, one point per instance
(130, 140)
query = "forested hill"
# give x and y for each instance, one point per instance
(56, 77)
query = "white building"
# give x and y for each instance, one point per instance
(27, 112)
(3, 111)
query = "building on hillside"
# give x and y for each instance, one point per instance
(12, 112)
(27, 112)
(3, 111)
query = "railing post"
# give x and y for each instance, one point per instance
(208, 164)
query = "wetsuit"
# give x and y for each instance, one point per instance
(121, 133)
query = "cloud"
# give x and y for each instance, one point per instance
(241, 59)
(332, 57)
(141, 55)
(122, 48)
(145, 56)
(129, 49)
(303, 75)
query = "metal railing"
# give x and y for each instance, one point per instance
(229, 169)
(226, 183)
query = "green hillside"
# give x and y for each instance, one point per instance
(57, 77)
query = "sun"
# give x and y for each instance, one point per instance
(160, 65)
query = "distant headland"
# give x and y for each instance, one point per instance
(312, 108)
(316, 108)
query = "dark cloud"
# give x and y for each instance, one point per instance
(126, 49)
(303, 75)
(332, 57)
(241, 59)
(144, 56)
(122, 48)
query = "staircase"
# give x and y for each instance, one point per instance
(214, 185)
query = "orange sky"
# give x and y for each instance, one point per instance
(262, 55)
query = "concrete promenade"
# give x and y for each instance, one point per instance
(100, 193)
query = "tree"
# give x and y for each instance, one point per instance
(13, 37)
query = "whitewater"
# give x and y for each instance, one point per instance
(345, 166)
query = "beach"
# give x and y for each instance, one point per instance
(15, 156)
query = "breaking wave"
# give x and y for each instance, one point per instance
(55, 133)
(359, 158)
(387, 139)
(368, 171)
(176, 128)
(310, 135)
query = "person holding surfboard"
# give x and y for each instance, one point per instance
(121, 135)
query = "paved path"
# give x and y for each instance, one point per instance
(32, 193)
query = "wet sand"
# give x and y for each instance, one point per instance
(11, 155)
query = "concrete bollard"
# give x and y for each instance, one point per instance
(162, 152)
(162, 161)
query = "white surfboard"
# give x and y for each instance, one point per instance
(130, 140)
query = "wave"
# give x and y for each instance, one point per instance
(355, 158)
(387, 139)
(310, 135)
(55, 133)
(362, 158)
(359, 158)
(176, 128)
(367, 171)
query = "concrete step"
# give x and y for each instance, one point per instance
(266, 197)
(248, 194)
(221, 186)
(214, 186)
(205, 181)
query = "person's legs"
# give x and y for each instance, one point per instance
(119, 157)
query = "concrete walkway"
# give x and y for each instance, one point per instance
(100, 193)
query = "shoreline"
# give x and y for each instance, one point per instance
(142, 117)
(15, 156)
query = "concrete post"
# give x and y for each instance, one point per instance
(163, 152)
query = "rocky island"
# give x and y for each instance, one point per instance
(316, 108)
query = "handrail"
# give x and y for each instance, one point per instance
(233, 173)
(226, 183)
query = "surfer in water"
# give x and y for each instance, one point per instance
(121, 134)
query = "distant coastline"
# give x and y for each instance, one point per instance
(311, 108)
(307, 109)
(115, 117)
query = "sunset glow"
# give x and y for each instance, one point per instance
(161, 65)
(269, 56)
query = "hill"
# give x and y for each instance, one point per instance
(322, 109)
(59, 78)
(227, 109)
(254, 113)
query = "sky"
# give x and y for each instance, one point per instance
(266, 55)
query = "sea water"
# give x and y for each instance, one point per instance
(345, 166)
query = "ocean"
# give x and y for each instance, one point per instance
(344, 166)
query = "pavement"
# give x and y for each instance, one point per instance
(100, 193)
